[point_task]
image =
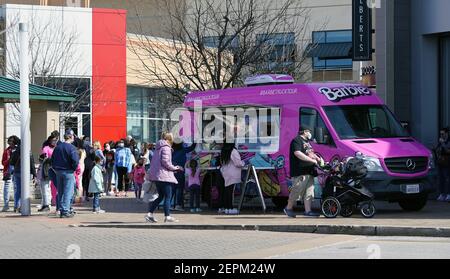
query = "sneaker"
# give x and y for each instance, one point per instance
(441, 198)
(198, 210)
(178, 208)
(150, 219)
(311, 214)
(192, 210)
(17, 210)
(5, 209)
(68, 215)
(44, 209)
(233, 211)
(289, 213)
(221, 211)
(447, 199)
(170, 219)
(99, 211)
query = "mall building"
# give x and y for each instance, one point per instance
(115, 101)
(413, 61)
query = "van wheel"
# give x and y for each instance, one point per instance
(414, 204)
(280, 202)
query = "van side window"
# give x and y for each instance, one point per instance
(311, 118)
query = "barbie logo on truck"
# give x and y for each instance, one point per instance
(346, 119)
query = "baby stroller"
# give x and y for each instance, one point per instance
(344, 193)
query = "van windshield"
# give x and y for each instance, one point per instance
(364, 122)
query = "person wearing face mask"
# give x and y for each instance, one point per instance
(442, 152)
(301, 167)
(108, 153)
(123, 165)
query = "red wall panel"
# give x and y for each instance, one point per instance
(109, 88)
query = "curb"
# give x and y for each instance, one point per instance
(319, 229)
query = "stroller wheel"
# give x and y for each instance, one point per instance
(347, 211)
(368, 209)
(331, 207)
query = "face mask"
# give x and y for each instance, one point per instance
(309, 136)
(121, 145)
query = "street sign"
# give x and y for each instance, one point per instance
(362, 31)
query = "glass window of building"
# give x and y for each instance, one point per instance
(282, 49)
(329, 37)
(148, 113)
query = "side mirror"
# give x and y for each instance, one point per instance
(322, 136)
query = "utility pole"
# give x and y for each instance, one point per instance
(25, 146)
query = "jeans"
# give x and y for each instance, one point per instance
(107, 179)
(66, 187)
(195, 196)
(6, 185)
(164, 192)
(178, 190)
(444, 180)
(96, 201)
(46, 193)
(17, 189)
(137, 190)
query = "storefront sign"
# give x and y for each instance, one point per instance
(341, 93)
(362, 31)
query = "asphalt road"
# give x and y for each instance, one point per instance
(36, 240)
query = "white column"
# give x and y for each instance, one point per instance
(25, 146)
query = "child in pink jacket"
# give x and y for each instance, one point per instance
(138, 174)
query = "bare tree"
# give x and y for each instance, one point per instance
(215, 44)
(54, 59)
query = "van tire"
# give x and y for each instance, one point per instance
(414, 204)
(280, 202)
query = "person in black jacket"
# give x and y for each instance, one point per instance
(16, 163)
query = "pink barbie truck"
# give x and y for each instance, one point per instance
(346, 120)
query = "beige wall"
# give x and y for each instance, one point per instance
(136, 73)
(147, 17)
(44, 120)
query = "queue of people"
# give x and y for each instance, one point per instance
(72, 170)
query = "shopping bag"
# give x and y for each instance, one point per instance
(150, 191)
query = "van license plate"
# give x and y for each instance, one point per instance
(413, 189)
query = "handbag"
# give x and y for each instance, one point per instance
(6, 176)
(150, 191)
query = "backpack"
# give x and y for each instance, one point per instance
(46, 165)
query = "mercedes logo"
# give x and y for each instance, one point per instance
(410, 165)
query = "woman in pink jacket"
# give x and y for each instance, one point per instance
(231, 169)
(162, 172)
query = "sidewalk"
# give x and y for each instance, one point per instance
(390, 220)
